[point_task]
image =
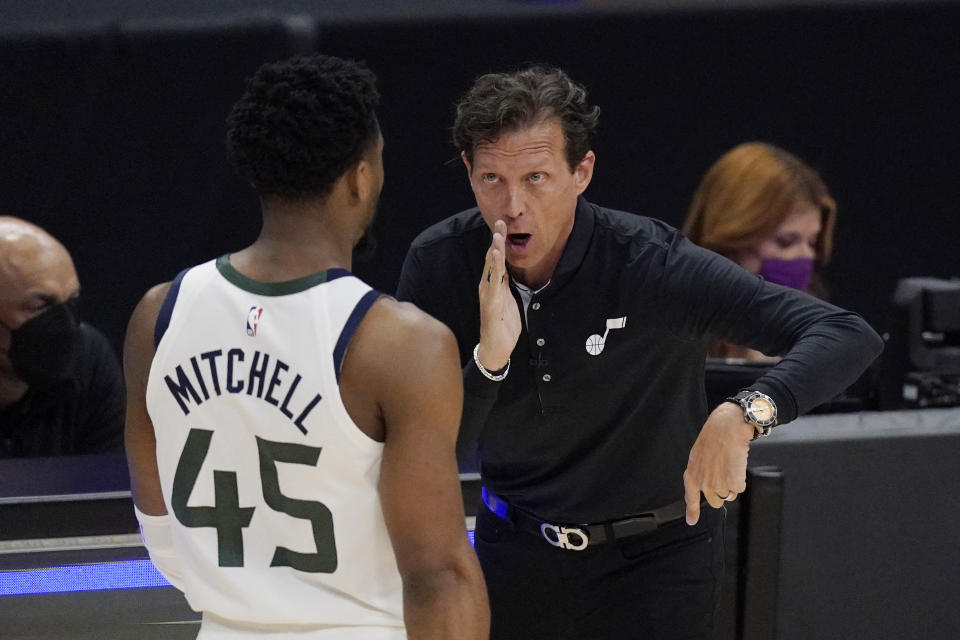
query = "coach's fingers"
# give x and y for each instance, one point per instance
(498, 251)
(713, 499)
(691, 495)
(494, 265)
(488, 263)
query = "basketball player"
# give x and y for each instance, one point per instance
(583, 355)
(290, 431)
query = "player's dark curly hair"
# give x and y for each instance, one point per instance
(503, 102)
(301, 123)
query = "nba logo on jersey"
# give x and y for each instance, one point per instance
(253, 320)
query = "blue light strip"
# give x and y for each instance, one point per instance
(103, 576)
(128, 574)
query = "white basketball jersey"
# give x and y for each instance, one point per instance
(271, 487)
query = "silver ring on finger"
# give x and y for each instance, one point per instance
(730, 497)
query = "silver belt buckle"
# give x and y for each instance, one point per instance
(561, 537)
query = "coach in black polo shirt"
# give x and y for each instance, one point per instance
(583, 370)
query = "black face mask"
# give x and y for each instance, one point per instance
(43, 349)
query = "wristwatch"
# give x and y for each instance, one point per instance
(759, 409)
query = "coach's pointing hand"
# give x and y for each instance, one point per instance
(499, 313)
(717, 466)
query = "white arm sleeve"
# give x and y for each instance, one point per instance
(158, 539)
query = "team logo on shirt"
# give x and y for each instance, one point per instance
(253, 320)
(596, 342)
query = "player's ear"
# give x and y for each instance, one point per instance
(367, 173)
(365, 180)
(357, 179)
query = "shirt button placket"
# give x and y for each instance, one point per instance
(539, 362)
(535, 306)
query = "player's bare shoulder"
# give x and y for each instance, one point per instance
(396, 353)
(397, 338)
(138, 344)
(403, 327)
(148, 308)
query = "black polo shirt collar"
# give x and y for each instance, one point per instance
(577, 244)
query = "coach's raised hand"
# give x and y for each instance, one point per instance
(499, 313)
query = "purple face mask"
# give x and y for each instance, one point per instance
(790, 273)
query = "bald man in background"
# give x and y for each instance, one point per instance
(61, 389)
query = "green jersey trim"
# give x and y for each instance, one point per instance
(285, 288)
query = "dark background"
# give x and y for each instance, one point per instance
(111, 137)
(111, 119)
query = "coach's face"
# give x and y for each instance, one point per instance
(523, 179)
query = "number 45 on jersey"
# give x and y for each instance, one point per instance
(230, 519)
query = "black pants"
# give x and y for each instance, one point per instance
(660, 585)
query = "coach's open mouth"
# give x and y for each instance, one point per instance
(519, 240)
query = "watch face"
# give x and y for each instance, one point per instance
(760, 408)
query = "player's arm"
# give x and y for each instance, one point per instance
(410, 362)
(138, 351)
(139, 439)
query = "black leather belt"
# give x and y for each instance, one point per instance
(577, 537)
